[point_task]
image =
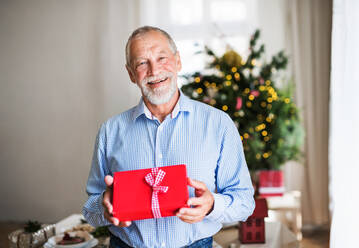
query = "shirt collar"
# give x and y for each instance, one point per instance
(183, 105)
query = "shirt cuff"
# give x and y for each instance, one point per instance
(218, 208)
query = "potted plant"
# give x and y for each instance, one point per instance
(265, 115)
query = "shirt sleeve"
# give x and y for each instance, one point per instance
(234, 199)
(93, 209)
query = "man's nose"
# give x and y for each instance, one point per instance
(154, 69)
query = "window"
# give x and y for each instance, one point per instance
(258, 222)
(249, 236)
(193, 24)
(258, 235)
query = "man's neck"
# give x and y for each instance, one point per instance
(162, 110)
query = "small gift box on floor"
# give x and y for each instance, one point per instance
(149, 193)
(32, 236)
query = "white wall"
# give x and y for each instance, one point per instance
(61, 74)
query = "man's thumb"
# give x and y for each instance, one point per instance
(109, 180)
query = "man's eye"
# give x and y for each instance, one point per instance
(141, 63)
(162, 58)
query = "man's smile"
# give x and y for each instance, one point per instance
(157, 82)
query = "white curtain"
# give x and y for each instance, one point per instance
(344, 123)
(310, 26)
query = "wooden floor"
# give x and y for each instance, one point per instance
(312, 239)
(315, 239)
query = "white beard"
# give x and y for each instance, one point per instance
(162, 94)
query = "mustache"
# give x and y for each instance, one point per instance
(158, 77)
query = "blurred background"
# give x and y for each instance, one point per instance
(62, 73)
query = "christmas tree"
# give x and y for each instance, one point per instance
(265, 115)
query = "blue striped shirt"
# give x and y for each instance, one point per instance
(195, 134)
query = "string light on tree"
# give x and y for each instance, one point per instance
(246, 90)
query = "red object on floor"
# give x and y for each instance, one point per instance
(271, 183)
(132, 195)
(253, 230)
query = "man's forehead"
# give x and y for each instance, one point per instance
(149, 39)
(155, 42)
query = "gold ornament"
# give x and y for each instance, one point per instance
(231, 58)
(253, 62)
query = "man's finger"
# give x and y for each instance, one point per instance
(108, 206)
(191, 211)
(198, 185)
(195, 201)
(111, 219)
(107, 201)
(124, 223)
(109, 180)
(189, 219)
(115, 221)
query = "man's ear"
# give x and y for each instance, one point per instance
(178, 61)
(131, 74)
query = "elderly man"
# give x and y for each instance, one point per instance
(168, 128)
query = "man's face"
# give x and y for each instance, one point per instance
(153, 67)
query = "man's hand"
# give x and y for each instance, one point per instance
(107, 204)
(202, 204)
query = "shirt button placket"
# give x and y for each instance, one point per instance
(159, 155)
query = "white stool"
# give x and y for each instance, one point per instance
(287, 209)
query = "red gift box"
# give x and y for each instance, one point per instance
(133, 195)
(271, 183)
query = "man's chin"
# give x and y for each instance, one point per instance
(160, 99)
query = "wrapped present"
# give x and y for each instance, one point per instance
(271, 183)
(24, 239)
(149, 193)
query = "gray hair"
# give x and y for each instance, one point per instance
(142, 31)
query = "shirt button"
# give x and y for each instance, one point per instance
(160, 155)
(163, 244)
